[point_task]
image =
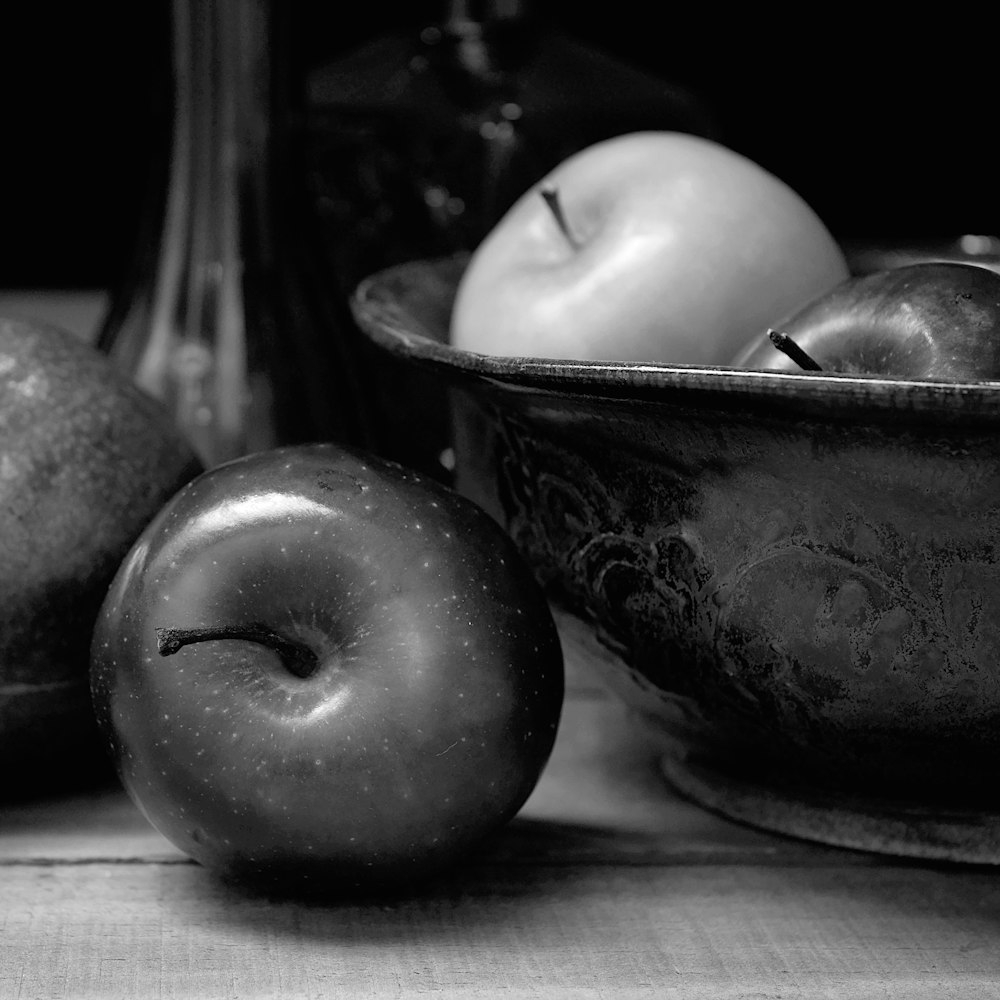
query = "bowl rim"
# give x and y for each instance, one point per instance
(386, 321)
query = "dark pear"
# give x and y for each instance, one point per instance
(86, 460)
(929, 321)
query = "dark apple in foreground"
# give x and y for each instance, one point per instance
(930, 320)
(321, 672)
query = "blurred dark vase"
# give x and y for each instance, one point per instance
(227, 315)
(414, 145)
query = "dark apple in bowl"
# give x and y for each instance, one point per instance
(932, 320)
(319, 672)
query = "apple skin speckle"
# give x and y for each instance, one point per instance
(428, 633)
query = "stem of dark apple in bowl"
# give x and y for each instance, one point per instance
(298, 658)
(551, 197)
(786, 345)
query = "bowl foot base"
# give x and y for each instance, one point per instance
(902, 829)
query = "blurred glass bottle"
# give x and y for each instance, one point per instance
(414, 145)
(226, 317)
(419, 143)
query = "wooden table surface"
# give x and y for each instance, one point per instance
(608, 884)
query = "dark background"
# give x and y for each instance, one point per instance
(885, 127)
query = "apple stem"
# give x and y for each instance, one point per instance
(786, 345)
(297, 657)
(551, 197)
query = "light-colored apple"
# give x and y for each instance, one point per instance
(675, 249)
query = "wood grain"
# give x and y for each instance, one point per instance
(138, 930)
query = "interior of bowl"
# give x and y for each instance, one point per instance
(405, 310)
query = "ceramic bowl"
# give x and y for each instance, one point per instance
(794, 577)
